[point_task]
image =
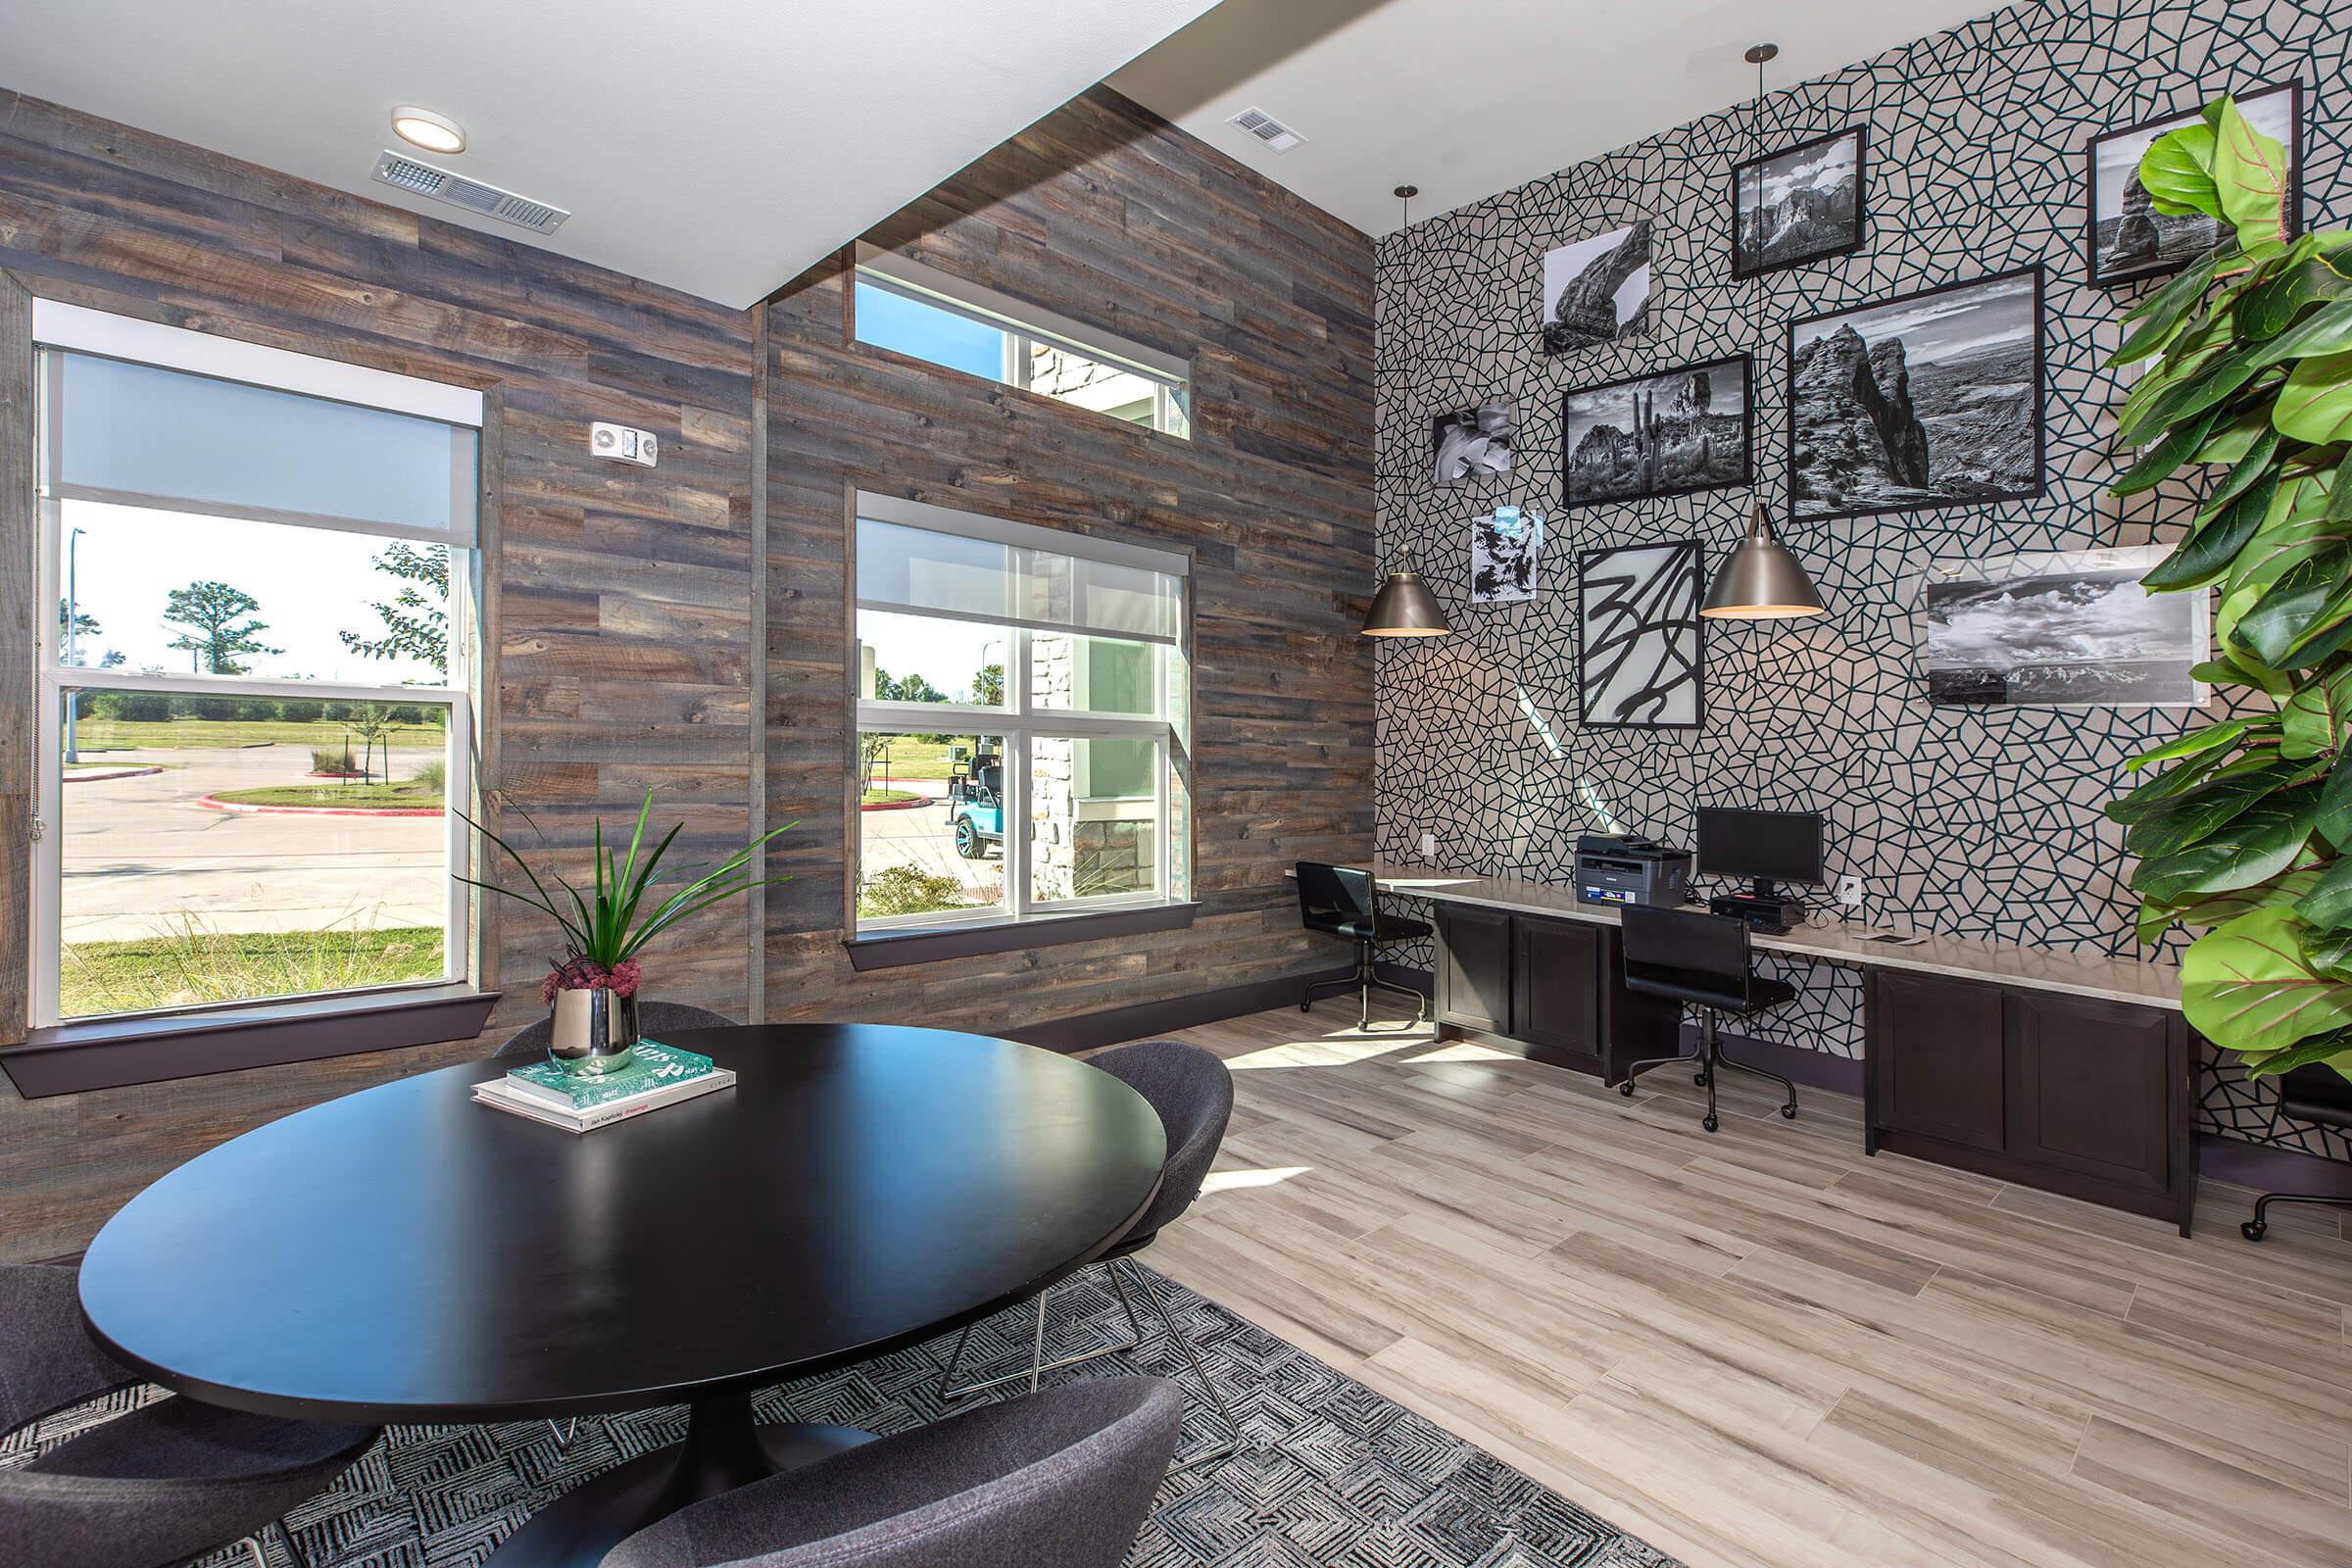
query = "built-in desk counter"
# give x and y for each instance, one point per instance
(2069, 1071)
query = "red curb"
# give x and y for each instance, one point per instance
(897, 805)
(244, 808)
(103, 775)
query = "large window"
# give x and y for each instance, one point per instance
(254, 685)
(1021, 721)
(920, 312)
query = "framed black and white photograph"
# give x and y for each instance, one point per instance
(1800, 203)
(1663, 434)
(1637, 636)
(1504, 547)
(1930, 400)
(1470, 444)
(2064, 629)
(1596, 290)
(2128, 238)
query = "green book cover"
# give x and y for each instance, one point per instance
(657, 1066)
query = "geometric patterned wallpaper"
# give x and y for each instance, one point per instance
(1980, 822)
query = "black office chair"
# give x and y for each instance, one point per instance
(1340, 899)
(156, 1485)
(1699, 960)
(2316, 1093)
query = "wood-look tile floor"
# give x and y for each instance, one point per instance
(1761, 1347)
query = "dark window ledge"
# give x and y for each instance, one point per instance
(896, 948)
(115, 1052)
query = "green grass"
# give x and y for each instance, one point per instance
(911, 758)
(407, 794)
(887, 797)
(191, 965)
(180, 734)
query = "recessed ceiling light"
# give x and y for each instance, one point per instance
(421, 127)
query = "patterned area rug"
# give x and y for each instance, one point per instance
(1329, 1474)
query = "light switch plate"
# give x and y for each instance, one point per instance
(1429, 845)
(624, 443)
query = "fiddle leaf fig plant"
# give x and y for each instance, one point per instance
(2242, 828)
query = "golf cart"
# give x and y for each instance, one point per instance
(976, 803)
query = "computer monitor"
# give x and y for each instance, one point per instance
(1767, 846)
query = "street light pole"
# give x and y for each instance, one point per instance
(73, 615)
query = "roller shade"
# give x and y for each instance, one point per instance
(1000, 577)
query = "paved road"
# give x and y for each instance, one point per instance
(140, 851)
(920, 836)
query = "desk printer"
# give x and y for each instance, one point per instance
(1630, 870)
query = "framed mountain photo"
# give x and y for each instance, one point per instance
(2126, 238)
(1666, 433)
(1798, 205)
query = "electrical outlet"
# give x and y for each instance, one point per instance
(1849, 892)
(627, 445)
(1429, 845)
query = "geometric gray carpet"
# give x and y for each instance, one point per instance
(1329, 1474)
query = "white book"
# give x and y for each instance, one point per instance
(499, 1095)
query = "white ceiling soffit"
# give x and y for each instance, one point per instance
(1466, 98)
(717, 146)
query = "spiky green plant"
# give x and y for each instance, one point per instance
(2244, 828)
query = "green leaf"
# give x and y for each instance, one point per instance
(2190, 744)
(2333, 1048)
(2197, 814)
(2182, 777)
(2250, 176)
(2255, 845)
(2295, 530)
(2162, 315)
(2161, 461)
(2298, 604)
(2328, 951)
(2316, 718)
(2270, 305)
(2236, 669)
(2220, 909)
(2238, 440)
(2316, 403)
(2178, 171)
(2334, 822)
(2247, 986)
(2220, 535)
(2329, 903)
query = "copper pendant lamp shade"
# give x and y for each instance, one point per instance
(1405, 608)
(1761, 580)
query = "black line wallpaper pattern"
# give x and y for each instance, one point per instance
(1979, 823)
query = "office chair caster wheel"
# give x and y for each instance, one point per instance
(1709, 1123)
(1305, 1006)
(1788, 1112)
(1626, 1088)
(2253, 1230)
(1699, 1080)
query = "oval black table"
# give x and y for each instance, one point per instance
(404, 1255)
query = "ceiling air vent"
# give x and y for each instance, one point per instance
(485, 201)
(1266, 128)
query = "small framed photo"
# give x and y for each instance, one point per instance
(1666, 433)
(1639, 648)
(1597, 290)
(2126, 238)
(1504, 548)
(1798, 205)
(1470, 444)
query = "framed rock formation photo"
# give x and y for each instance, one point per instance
(1596, 290)
(1800, 203)
(2127, 238)
(1929, 400)
(1662, 434)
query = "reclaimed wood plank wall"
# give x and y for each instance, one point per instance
(625, 611)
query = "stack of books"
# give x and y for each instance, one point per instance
(660, 1075)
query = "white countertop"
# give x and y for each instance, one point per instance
(2141, 981)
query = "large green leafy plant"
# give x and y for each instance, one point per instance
(2243, 828)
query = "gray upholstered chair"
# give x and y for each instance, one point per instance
(155, 1485)
(1057, 1480)
(1192, 1091)
(653, 1017)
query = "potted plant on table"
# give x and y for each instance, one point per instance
(2246, 828)
(591, 990)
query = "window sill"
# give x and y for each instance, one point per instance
(114, 1053)
(897, 949)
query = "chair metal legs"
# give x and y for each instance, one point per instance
(2254, 1229)
(253, 1545)
(1364, 982)
(1709, 1060)
(1192, 1355)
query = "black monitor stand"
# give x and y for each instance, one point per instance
(1764, 907)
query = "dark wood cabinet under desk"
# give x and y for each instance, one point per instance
(1550, 989)
(2072, 1094)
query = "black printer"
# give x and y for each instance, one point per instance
(1625, 869)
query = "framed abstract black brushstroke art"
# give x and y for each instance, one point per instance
(1638, 649)
(1801, 204)
(1929, 400)
(1666, 433)
(2126, 238)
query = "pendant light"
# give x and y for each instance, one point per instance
(1404, 606)
(1761, 579)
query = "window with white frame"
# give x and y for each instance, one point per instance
(918, 310)
(254, 687)
(1021, 714)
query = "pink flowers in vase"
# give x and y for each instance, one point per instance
(582, 974)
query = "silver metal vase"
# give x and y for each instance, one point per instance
(592, 1031)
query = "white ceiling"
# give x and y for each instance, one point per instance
(1466, 98)
(717, 146)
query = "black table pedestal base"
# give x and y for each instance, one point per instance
(723, 1448)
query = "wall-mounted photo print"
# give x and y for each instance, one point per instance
(1504, 545)
(1596, 290)
(1798, 205)
(1471, 443)
(1662, 434)
(1638, 645)
(2128, 238)
(1932, 400)
(2065, 629)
